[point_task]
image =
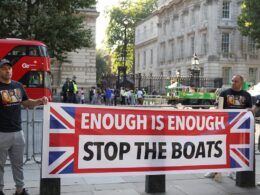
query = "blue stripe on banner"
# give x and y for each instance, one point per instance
(245, 151)
(53, 156)
(245, 125)
(55, 124)
(68, 169)
(232, 115)
(234, 163)
(69, 110)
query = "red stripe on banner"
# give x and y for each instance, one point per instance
(239, 138)
(240, 156)
(145, 169)
(62, 140)
(62, 165)
(54, 112)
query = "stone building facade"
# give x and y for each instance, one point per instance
(207, 28)
(81, 63)
(146, 40)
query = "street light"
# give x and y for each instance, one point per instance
(126, 22)
(124, 53)
(195, 71)
(195, 61)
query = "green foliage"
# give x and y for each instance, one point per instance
(132, 12)
(101, 65)
(54, 22)
(249, 20)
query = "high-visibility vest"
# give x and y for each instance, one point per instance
(75, 87)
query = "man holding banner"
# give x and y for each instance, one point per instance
(255, 109)
(12, 96)
(235, 98)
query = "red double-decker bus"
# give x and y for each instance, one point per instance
(31, 65)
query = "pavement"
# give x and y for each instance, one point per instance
(176, 184)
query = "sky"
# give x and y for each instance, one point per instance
(102, 20)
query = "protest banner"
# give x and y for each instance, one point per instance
(93, 140)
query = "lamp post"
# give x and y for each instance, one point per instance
(122, 68)
(195, 71)
(125, 22)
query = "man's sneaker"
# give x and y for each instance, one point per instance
(2, 193)
(232, 175)
(24, 192)
(218, 177)
(210, 175)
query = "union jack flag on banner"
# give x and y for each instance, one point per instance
(96, 140)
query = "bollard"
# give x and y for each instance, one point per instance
(155, 183)
(50, 186)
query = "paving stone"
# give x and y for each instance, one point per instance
(117, 192)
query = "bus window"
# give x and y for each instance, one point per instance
(43, 51)
(32, 79)
(33, 51)
(14, 55)
(47, 80)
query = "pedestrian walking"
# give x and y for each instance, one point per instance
(12, 142)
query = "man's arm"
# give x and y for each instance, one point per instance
(35, 102)
(256, 107)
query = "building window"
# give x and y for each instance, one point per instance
(205, 12)
(172, 51)
(225, 44)
(144, 64)
(138, 60)
(251, 46)
(226, 75)
(204, 44)
(138, 34)
(192, 45)
(151, 27)
(162, 52)
(182, 21)
(226, 10)
(164, 28)
(253, 75)
(169, 73)
(192, 19)
(151, 53)
(181, 49)
(173, 27)
(202, 71)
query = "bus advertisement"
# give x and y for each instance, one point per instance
(31, 65)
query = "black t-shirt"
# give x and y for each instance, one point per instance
(236, 99)
(257, 103)
(11, 96)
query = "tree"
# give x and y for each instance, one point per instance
(56, 23)
(249, 20)
(132, 12)
(101, 65)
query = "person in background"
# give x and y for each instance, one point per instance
(75, 89)
(12, 140)
(82, 96)
(67, 91)
(140, 97)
